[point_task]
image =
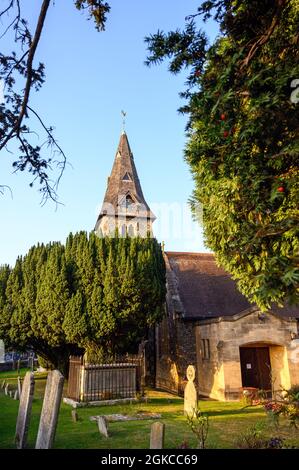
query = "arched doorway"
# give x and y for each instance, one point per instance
(256, 367)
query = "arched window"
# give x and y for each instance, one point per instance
(131, 230)
(123, 230)
(127, 201)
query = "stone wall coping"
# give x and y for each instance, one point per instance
(238, 316)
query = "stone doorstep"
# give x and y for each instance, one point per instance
(119, 401)
(119, 417)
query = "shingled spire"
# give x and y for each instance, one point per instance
(124, 207)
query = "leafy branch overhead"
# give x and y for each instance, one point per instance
(243, 137)
(20, 76)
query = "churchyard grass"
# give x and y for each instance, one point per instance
(227, 421)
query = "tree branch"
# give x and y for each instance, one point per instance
(265, 37)
(54, 142)
(32, 50)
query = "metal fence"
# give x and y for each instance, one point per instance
(121, 378)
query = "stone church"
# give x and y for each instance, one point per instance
(208, 323)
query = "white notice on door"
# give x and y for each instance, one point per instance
(248, 366)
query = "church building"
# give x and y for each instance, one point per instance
(208, 323)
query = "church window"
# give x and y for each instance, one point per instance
(205, 349)
(127, 177)
(123, 231)
(127, 201)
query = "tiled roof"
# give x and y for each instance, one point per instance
(198, 288)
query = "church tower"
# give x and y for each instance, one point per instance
(124, 207)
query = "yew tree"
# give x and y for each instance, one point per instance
(95, 295)
(242, 137)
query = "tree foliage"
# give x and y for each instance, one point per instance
(91, 294)
(242, 138)
(20, 76)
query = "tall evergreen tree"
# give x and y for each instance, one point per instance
(243, 138)
(97, 295)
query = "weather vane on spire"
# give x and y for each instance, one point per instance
(124, 119)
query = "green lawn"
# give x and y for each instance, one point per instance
(227, 422)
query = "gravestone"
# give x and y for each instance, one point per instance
(102, 425)
(6, 390)
(20, 386)
(50, 410)
(190, 395)
(3, 384)
(2, 351)
(31, 363)
(24, 411)
(74, 416)
(11, 393)
(16, 395)
(157, 435)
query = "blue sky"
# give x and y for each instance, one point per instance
(90, 78)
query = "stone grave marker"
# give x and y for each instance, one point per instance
(20, 386)
(3, 384)
(6, 390)
(74, 416)
(102, 425)
(157, 435)
(190, 394)
(11, 393)
(24, 411)
(50, 410)
(16, 395)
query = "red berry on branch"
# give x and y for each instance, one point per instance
(223, 117)
(225, 133)
(280, 189)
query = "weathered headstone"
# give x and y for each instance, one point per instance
(11, 393)
(2, 351)
(24, 411)
(50, 410)
(157, 435)
(20, 386)
(31, 363)
(16, 395)
(6, 390)
(102, 425)
(190, 395)
(74, 416)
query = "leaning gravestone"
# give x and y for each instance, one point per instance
(50, 410)
(102, 425)
(74, 416)
(24, 411)
(190, 395)
(16, 395)
(6, 390)
(157, 435)
(20, 386)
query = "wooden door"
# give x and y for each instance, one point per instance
(256, 368)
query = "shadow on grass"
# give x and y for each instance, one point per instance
(237, 411)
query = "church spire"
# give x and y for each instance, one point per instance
(124, 207)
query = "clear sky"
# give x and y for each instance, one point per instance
(90, 78)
